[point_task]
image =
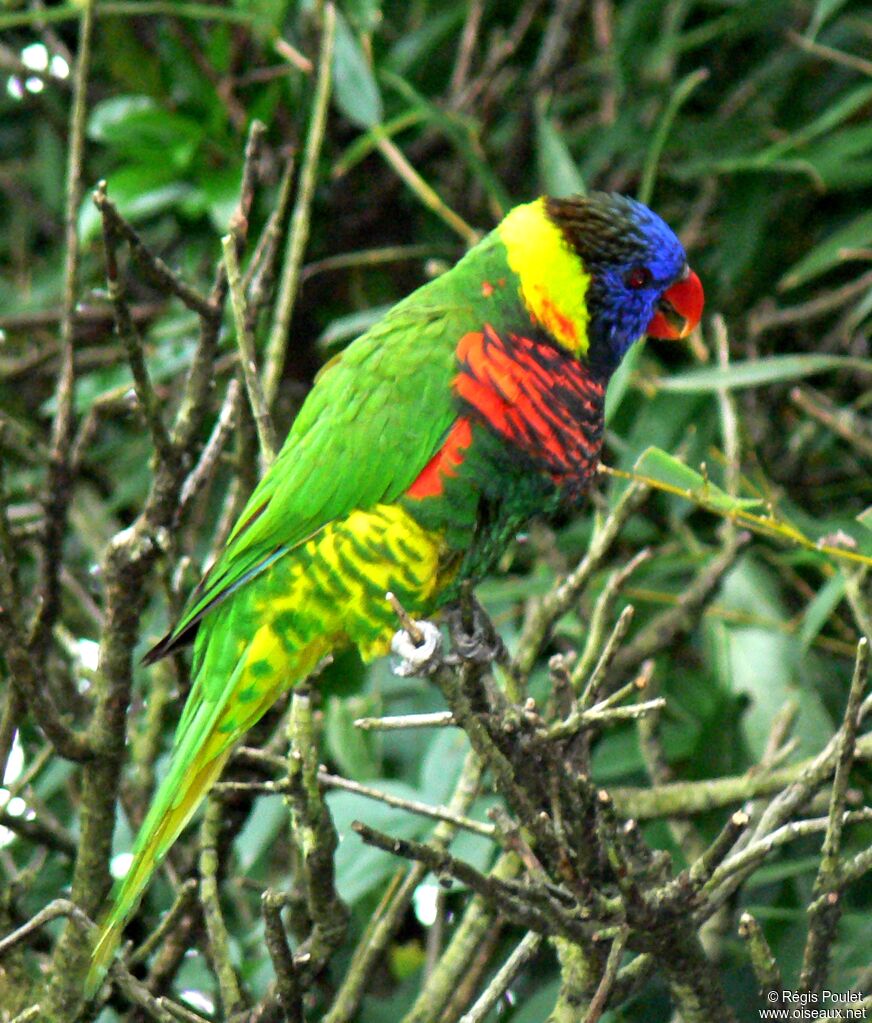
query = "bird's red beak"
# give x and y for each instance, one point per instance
(679, 309)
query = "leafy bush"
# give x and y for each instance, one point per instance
(747, 125)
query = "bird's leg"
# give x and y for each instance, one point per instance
(473, 637)
(418, 644)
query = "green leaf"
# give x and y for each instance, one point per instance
(220, 191)
(865, 518)
(267, 15)
(679, 96)
(262, 828)
(417, 44)
(368, 141)
(830, 252)
(354, 85)
(823, 11)
(351, 748)
(833, 114)
(766, 665)
(663, 472)
(616, 756)
(140, 129)
(442, 765)
(658, 465)
(108, 116)
(753, 373)
(558, 170)
(827, 599)
(621, 378)
(772, 873)
(365, 15)
(539, 1002)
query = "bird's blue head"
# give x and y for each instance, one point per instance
(640, 281)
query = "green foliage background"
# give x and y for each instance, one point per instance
(746, 124)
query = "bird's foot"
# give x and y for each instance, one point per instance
(417, 658)
(473, 637)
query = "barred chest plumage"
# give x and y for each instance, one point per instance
(526, 442)
(544, 405)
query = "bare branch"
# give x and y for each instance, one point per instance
(219, 940)
(129, 334)
(826, 909)
(438, 813)
(523, 953)
(279, 337)
(58, 483)
(60, 907)
(248, 357)
(287, 981)
(165, 279)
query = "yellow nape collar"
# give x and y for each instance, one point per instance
(553, 279)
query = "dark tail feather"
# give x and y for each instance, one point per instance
(170, 642)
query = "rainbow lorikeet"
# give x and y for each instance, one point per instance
(422, 449)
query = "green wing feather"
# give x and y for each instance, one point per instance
(367, 429)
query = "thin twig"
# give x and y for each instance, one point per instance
(375, 257)
(130, 337)
(406, 620)
(287, 981)
(219, 939)
(848, 60)
(426, 193)
(259, 407)
(466, 46)
(769, 316)
(523, 953)
(27, 681)
(184, 898)
(241, 216)
(607, 982)
(389, 916)
(591, 693)
(841, 421)
(279, 337)
(58, 483)
(438, 813)
(687, 798)
(151, 265)
(29, 1014)
(663, 629)
(315, 833)
(542, 615)
(395, 723)
(205, 468)
(729, 418)
(657, 765)
(138, 994)
(601, 609)
(261, 273)
(293, 56)
(762, 960)
(523, 910)
(59, 907)
(826, 910)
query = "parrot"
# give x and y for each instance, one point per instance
(421, 451)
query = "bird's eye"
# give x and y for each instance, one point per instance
(638, 277)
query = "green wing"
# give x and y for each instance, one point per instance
(369, 426)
